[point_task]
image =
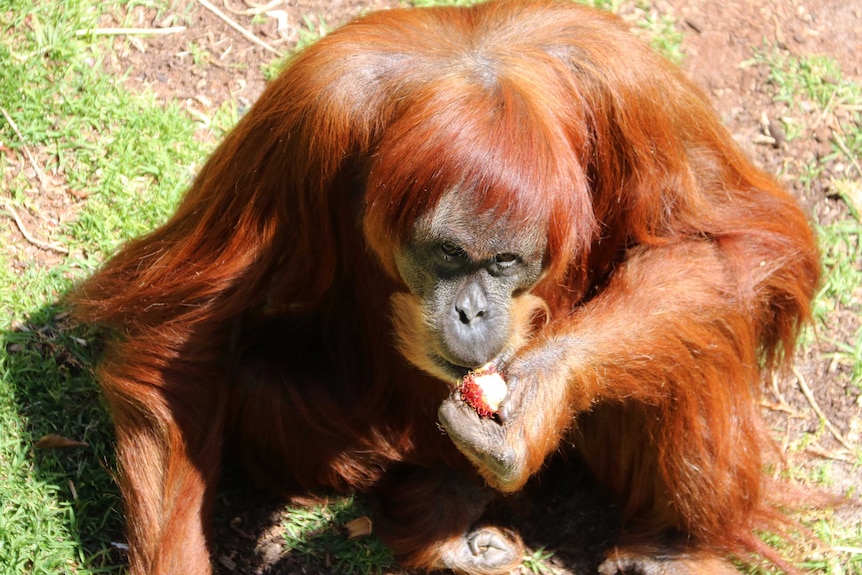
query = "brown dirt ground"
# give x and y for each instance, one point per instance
(718, 37)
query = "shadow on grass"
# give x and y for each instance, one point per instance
(562, 515)
(47, 371)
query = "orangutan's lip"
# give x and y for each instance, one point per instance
(457, 372)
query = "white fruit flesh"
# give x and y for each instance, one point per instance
(493, 388)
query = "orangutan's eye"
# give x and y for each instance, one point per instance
(505, 260)
(452, 250)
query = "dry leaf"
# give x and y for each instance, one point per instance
(359, 527)
(54, 441)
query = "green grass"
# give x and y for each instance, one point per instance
(128, 157)
(58, 508)
(129, 154)
(317, 532)
(535, 562)
(815, 94)
(132, 157)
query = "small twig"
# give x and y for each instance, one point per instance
(257, 10)
(763, 139)
(42, 182)
(27, 235)
(781, 403)
(29, 155)
(843, 145)
(806, 391)
(243, 534)
(836, 455)
(826, 109)
(206, 4)
(783, 407)
(130, 31)
(204, 119)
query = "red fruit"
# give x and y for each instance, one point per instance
(483, 390)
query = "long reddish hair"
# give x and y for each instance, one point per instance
(601, 148)
(686, 269)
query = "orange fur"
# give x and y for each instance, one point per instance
(263, 316)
